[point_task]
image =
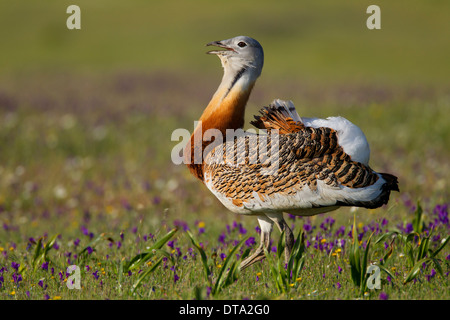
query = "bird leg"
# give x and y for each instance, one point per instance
(266, 229)
(288, 235)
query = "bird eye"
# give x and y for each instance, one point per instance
(242, 44)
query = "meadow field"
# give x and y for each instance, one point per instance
(86, 176)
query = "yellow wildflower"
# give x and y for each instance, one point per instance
(109, 209)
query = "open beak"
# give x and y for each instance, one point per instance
(220, 45)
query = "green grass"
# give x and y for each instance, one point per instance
(85, 124)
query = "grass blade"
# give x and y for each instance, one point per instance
(435, 253)
(145, 274)
(220, 279)
(415, 270)
(383, 268)
(354, 257)
(141, 258)
(364, 264)
(202, 255)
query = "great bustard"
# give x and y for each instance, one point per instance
(321, 164)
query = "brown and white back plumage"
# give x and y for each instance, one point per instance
(314, 173)
(320, 164)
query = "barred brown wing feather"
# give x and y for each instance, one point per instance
(304, 158)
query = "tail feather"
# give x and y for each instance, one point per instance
(287, 108)
(280, 115)
(391, 181)
(382, 199)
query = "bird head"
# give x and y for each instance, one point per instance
(240, 53)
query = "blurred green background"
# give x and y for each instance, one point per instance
(316, 40)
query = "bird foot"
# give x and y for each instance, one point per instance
(258, 255)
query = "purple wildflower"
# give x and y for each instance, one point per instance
(442, 212)
(126, 205)
(409, 228)
(17, 277)
(181, 224)
(89, 250)
(307, 227)
(95, 274)
(15, 265)
(222, 238)
(383, 296)
(340, 232)
(44, 266)
(431, 275)
(156, 200)
(250, 242)
(84, 230)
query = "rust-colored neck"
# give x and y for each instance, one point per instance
(226, 110)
